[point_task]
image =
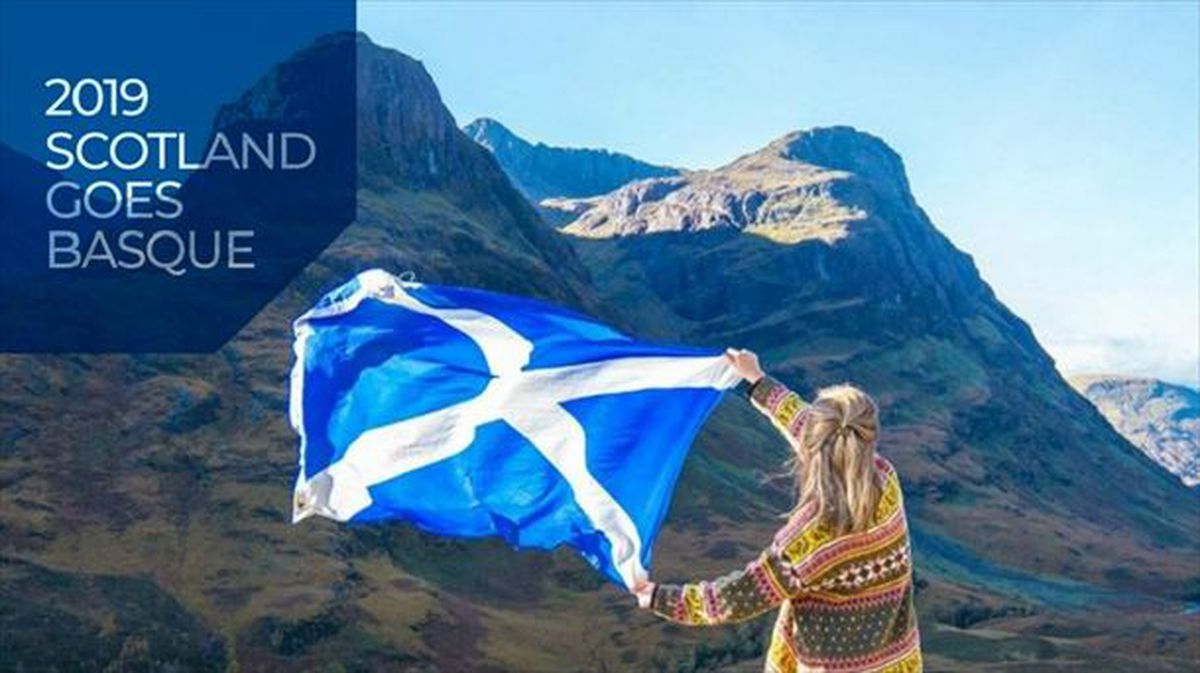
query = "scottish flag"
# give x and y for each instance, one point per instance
(475, 414)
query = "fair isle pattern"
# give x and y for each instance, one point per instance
(875, 597)
(786, 409)
(845, 603)
(910, 662)
(889, 656)
(859, 559)
(795, 525)
(814, 552)
(781, 654)
(738, 596)
(855, 576)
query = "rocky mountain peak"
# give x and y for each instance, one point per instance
(491, 133)
(844, 148)
(405, 133)
(806, 185)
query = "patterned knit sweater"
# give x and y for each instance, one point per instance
(846, 603)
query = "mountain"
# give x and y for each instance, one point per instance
(791, 191)
(1160, 418)
(814, 252)
(541, 171)
(144, 500)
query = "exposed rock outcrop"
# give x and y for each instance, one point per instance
(1160, 418)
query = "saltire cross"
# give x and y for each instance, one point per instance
(470, 413)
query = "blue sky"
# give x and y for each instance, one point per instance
(1058, 144)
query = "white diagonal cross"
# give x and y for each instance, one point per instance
(530, 401)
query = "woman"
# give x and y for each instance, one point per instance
(841, 567)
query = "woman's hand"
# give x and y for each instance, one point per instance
(745, 363)
(644, 590)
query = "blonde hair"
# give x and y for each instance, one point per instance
(834, 466)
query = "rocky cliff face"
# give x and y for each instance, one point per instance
(1160, 418)
(459, 216)
(795, 189)
(541, 171)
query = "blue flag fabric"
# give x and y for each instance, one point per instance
(473, 414)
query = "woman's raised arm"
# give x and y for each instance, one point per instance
(762, 585)
(783, 406)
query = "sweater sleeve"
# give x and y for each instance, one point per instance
(738, 596)
(785, 408)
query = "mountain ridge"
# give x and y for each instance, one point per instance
(540, 171)
(809, 179)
